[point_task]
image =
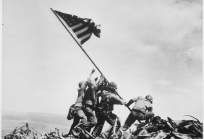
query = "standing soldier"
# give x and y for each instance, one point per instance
(107, 98)
(89, 102)
(83, 109)
(142, 110)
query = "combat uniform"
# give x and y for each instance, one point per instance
(104, 110)
(75, 110)
(83, 109)
(142, 110)
(88, 103)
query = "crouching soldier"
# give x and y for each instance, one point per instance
(83, 110)
(142, 110)
(107, 98)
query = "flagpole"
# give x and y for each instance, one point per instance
(83, 50)
(78, 44)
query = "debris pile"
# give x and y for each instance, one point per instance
(55, 134)
(155, 128)
(23, 132)
(158, 128)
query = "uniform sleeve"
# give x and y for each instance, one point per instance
(90, 81)
(133, 100)
(149, 111)
(149, 107)
(83, 86)
(115, 99)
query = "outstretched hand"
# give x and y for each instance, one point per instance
(93, 70)
(126, 103)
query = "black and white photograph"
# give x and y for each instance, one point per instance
(102, 69)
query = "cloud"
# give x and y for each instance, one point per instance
(174, 31)
(159, 27)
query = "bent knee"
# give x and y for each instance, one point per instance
(93, 122)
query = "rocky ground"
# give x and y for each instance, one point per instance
(44, 126)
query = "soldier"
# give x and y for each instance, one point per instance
(83, 109)
(142, 110)
(89, 103)
(107, 98)
(75, 112)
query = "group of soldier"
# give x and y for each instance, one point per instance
(94, 106)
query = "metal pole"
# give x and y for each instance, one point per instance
(82, 48)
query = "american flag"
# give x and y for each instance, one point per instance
(83, 28)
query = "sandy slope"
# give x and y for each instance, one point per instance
(38, 121)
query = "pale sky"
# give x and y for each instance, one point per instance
(146, 47)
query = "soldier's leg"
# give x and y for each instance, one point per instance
(99, 125)
(129, 121)
(75, 122)
(87, 121)
(80, 118)
(91, 117)
(114, 121)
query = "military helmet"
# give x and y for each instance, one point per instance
(113, 85)
(149, 97)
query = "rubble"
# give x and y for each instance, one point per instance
(158, 128)
(22, 132)
(52, 135)
(155, 128)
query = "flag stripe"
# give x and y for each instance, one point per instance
(82, 31)
(85, 38)
(76, 26)
(74, 23)
(81, 27)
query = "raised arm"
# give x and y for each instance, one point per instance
(132, 101)
(115, 99)
(90, 81)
